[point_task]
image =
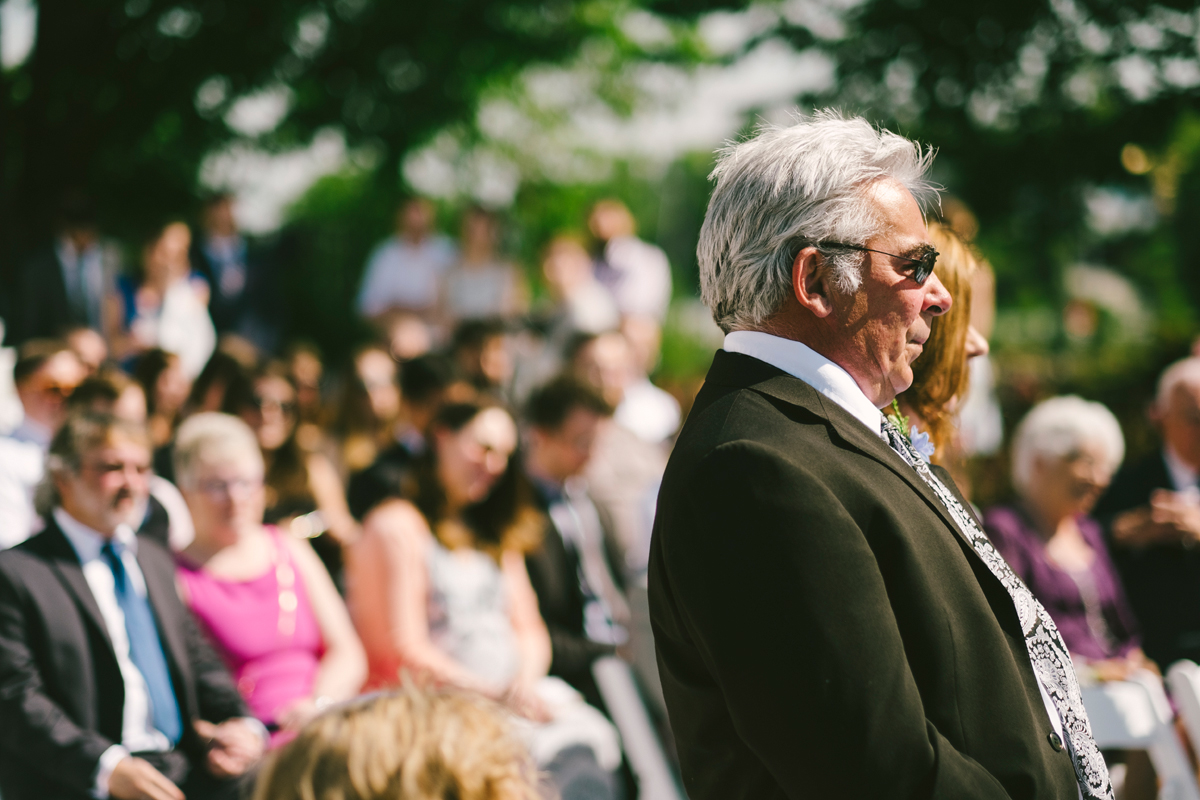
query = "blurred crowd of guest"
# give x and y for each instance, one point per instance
(467, 504)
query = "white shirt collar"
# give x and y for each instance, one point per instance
(1183, 476)
(88, 542)
(801, 361)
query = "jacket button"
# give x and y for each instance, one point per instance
(1055, 741)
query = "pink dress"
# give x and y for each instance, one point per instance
(265, 630)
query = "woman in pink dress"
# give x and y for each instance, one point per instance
(263, 597)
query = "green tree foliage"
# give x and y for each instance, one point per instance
(1028, 102)
(125, 97)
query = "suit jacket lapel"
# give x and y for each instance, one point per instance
(65, 563)
(732, 369)
(160, 588)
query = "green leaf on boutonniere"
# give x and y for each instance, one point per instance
(898, 419)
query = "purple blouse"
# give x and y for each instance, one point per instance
(1089, 608)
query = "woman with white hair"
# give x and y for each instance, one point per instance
(1065, 452)
(263, 597)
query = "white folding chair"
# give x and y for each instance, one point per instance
(647, 759)
(1136, 715)
(1183, 679)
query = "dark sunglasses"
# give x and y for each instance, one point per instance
(922, 265)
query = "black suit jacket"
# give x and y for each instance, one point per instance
(1162, 581)
(257, 311)
(823, 630)
(61, 693)
(554, 573)
(41, 308)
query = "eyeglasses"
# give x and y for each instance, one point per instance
(115, 467)
(59, 390)
(923, 264)
(242, 487)
(285, 406)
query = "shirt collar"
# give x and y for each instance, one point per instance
(88, 542)
(1183, 476)
(801, 361)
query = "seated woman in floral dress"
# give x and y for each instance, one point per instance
(439, 592)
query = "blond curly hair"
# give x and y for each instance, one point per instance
(411, 744)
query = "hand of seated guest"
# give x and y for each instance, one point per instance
(135, 779)
(1145, 526)
(1179, 512)
(234, 746)
(523, 700)
(1121, 669)
(298, 714)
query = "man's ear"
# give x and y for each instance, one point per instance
(810, 282)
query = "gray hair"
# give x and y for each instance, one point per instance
(81, 433)
(1185, 372)
(213, 437)
(792, 187)
(1057, 427)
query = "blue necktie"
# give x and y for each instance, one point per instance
(145, 648)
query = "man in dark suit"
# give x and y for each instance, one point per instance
(1151, 513)
(63, 285)
(245, 297)
(107, 687)
(830, 620)
(579, 598)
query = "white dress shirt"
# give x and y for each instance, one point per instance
(648, 411)
(22, 465)
(138, 733)
(1183, 477)
(801, 361)
(83, 276)
(638, 275)
(400, 273)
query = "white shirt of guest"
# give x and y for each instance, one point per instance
(22, 465)
(405, 275)
(639, 276)
(1183, 477)
(801, 361)
(138, 733)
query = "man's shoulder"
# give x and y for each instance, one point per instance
(154, 554)
(745, 398)
(31, 557)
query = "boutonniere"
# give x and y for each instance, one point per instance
(919, 441)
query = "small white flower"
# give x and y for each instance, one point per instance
(920, 442)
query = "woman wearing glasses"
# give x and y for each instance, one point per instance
(304, 494)
(262, 595)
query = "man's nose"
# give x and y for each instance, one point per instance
(937, 299)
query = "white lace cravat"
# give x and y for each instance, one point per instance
(1047, 651)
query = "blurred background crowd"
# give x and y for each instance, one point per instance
(439, 263)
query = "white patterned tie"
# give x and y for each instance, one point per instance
(1047, 651)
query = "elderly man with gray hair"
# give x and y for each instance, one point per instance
(1152, 516)
(830, 619)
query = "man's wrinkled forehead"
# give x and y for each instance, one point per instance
(119, 443)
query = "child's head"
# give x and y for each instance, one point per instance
(407, 745)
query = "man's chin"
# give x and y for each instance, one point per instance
(902, 380)
(127, 513)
